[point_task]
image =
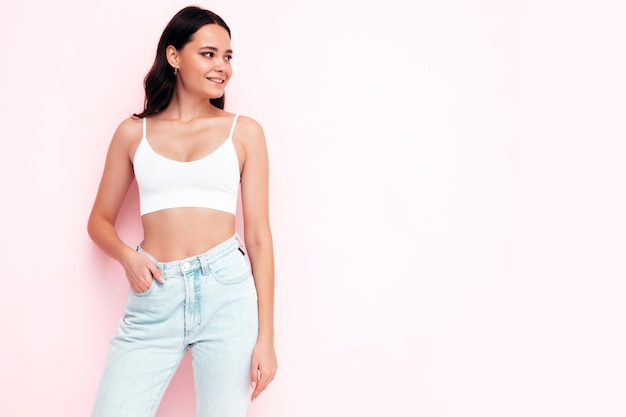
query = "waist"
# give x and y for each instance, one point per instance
(179, 233)
(201, 261)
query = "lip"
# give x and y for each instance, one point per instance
(217, 80)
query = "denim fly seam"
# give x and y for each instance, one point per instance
(193, 270)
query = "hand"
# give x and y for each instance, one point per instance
(140, 271)
(264, 365)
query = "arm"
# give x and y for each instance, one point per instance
(258, 237)
(116, 179)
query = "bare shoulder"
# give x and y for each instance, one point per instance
(129, 131)
(126, 138)
(249, 131)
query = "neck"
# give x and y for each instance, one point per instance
(186, 108)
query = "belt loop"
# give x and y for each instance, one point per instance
(204, 266)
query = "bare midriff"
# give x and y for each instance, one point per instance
(179, 233)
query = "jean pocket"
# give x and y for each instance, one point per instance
(146, 292)
(231, 269)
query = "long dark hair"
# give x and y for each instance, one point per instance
(160, 82)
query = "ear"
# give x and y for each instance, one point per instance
(171, 54)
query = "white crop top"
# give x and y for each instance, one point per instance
(210, 182)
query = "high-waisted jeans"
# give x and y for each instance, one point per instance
(208, 304)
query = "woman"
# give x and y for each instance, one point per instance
(193, 285)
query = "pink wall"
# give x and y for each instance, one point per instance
(447, 201)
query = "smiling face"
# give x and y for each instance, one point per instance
(204, 62)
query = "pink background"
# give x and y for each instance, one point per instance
(447, 198)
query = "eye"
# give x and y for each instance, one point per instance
(228, 57)
(208, 54)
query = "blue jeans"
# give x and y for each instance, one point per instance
(208, 304)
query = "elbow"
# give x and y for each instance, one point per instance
(258, 237)
(91, 226)
(94, 225)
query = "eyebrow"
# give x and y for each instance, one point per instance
(212, 48)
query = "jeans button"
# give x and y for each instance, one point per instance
(186, 265)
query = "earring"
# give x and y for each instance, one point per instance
(175, 72)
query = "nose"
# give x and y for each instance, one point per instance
(219, 65)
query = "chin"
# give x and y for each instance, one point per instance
(214, 96)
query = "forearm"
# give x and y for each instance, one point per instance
(104, 235)
(262, 260)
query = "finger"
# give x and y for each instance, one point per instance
(143, 282)
(140, 285)
(257, 391)
(262, 383)
(254, 376)
(156, 273)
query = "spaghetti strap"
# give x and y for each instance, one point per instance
(232, 129)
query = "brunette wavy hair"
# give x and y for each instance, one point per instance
(160, 82)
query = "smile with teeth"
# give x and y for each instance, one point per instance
(216, 80)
